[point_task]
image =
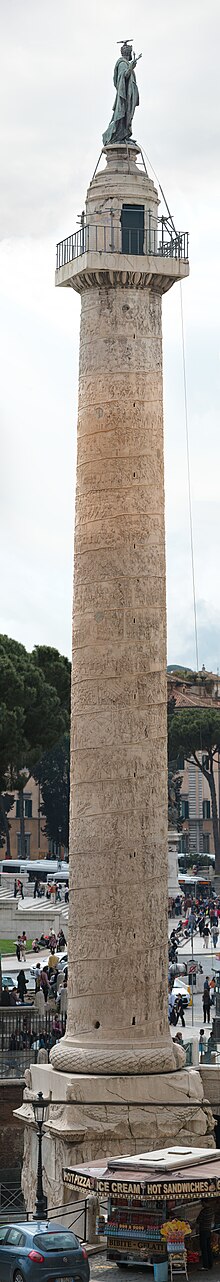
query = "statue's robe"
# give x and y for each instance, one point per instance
(127, 98)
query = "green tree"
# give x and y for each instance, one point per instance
(174, 778)
(34, 712)
(6, 803)
(195, 733)
(53, 774)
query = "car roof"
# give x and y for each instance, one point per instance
(42, 1226)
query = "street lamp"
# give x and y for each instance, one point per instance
(40, 1105)
(59, 856)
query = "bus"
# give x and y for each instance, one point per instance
(57, 869)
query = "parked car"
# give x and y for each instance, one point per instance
(43, 961)
(11, 980)
(35, 1251)
(181, 990)
(8, 981)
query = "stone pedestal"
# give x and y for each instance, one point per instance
(96, 1117)
(118, 1054)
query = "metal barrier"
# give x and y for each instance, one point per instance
(23, 1032)
(158, 238)
(12, 1209)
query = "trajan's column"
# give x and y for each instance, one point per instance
(118, 1044)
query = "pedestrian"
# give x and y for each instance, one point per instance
(201, 925)
(35, 887)
(18, 948)
(23, 945)
(206, 1001)
(5, 997)
(179, 1039)
(211, 1049)
(192, 921)
(61, 941)
(205, 1226)
(214, 933)
(44, 983)
(21, 890)
(63, 1004)
(14, 996)
(180, 1011)
(206, 933)
(53, 963)
(22, 987)
(202, 1046)
(15, 887)
(39, 1003)
(52, 941)
(171, 1006)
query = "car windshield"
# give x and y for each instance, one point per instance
(56, 1241)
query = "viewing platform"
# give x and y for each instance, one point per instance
(146, 249)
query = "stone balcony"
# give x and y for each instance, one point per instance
(154, 255)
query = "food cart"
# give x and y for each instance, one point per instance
(143, 1194)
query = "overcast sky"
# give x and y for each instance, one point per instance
(56, 71)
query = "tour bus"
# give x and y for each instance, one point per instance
(57, 869)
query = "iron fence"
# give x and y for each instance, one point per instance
(23, 1032)
(157, 238)
(73, 1214)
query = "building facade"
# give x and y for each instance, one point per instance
(195, 691)
(37, 844)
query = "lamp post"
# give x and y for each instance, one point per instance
(59, 856)
(40, 1105)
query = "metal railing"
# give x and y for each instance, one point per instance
(106, 238)
(23, 1033)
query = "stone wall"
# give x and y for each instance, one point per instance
(13, 920)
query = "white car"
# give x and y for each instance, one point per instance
(181, 990)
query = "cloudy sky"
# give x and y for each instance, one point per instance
(56, 96)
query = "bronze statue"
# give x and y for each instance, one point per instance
(127, 97)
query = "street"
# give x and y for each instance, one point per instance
(194, 1018)
(101, 1269)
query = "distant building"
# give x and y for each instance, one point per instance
(192, 690)
(36, 841)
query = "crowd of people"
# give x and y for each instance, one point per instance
(202, 916)
(52, 941)
(53, 891)
(50, 983)
(25, 1037)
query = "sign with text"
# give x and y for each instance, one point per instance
(152, 1190)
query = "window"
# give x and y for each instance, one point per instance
(184, 808)
(61, 1241)
(15, 1238)
(184, 843)
(26, 845)
(132, 229)
(206, 808)
(3, 1234)
(206, 843)
(27, 807)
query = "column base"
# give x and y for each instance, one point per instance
(71, 1055)
(98, 1117)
